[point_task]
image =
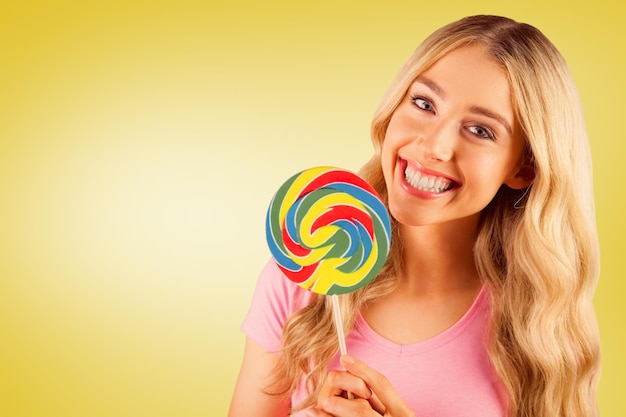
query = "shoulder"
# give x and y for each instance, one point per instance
(280, 291)
(274, 300)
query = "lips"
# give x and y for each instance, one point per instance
(422, 180)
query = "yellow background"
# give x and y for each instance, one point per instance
(141, 141)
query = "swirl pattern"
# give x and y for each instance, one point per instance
(328, 230)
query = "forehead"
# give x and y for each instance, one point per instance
(471, 75)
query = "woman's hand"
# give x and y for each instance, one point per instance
(373, 394)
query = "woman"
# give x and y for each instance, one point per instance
(485, 304)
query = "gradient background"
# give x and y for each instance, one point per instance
(141, 141)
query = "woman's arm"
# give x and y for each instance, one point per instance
(249, 398)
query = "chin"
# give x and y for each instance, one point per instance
(406, 217)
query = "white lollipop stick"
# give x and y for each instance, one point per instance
(339, 327)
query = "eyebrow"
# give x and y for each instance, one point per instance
(436, 88)
(488, 113)
(432, 85)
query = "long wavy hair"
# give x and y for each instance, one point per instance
(537, 249)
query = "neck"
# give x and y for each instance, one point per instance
(439, 258)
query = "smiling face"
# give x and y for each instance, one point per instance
(453, 141)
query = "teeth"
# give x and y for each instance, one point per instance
(427, 183)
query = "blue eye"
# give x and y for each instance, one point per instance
(482, 132)
(422, 103)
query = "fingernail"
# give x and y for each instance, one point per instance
(347, 359)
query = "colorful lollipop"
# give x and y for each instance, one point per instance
(328, 230)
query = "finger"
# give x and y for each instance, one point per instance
(341, 407)
(339, 382)
(377, 404)
(316, 412)
(390, 401)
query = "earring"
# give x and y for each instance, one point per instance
(515, 205)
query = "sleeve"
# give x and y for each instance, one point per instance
(275, 298)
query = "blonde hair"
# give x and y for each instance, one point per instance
(537, 250)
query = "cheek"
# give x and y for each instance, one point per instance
(385, 163)
(388, 155)
(488, 175)
(398, 134)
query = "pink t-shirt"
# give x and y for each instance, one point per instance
(448, 375)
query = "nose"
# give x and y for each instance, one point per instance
(437, 141)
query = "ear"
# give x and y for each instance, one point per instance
(523, 177)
